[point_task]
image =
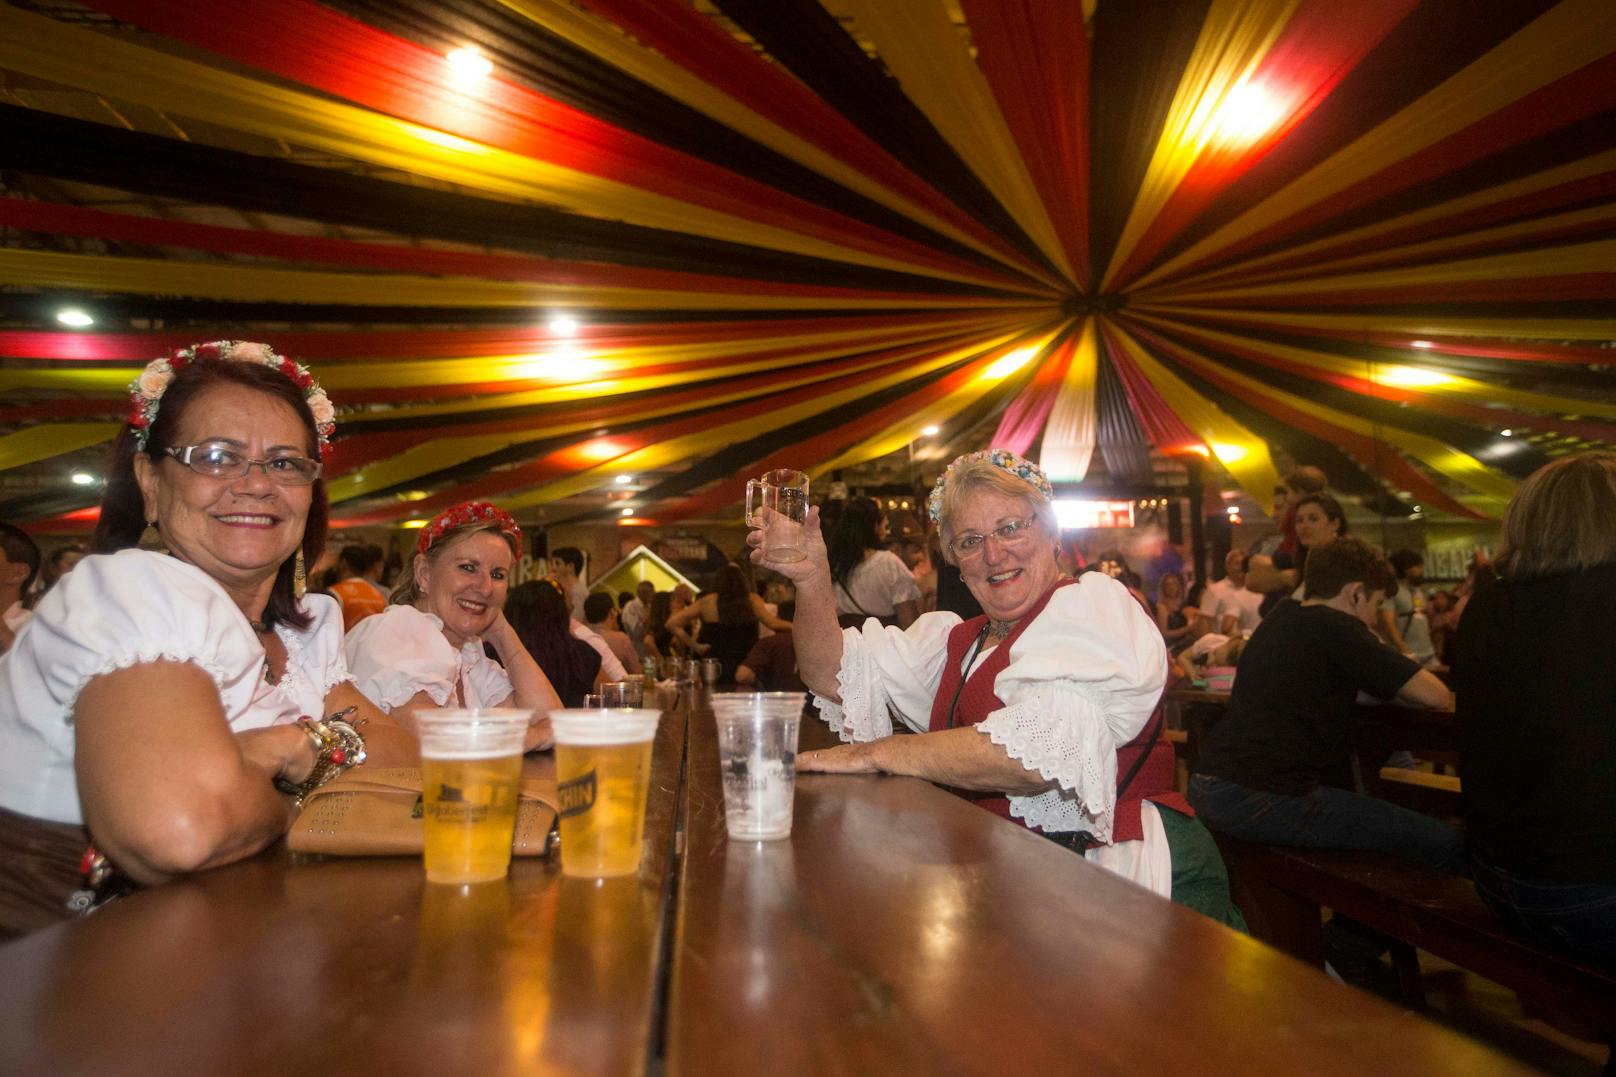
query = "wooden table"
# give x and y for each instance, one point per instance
(899, 929)
(284, 965)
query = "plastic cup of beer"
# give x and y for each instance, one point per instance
(618, 695)
(757, 755)
(471, 764)
(777, 504)
(603, 778)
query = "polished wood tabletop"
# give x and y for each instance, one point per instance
(288, 965)
(901, 929)
(898, 928)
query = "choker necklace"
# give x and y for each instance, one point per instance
(1000, 629)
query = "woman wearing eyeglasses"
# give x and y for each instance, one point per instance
(151, 706)
(1043, 709)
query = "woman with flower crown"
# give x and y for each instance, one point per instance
(426, 648)
(150, 710)
(1044, 710)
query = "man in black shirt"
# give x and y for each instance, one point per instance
(1264, 773)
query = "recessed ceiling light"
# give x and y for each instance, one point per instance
(624, 480)
(929, 431)
(1506, 432)
(468, 63)
(564, 326)
(82, 478)
(1421, 344)
(628, 512)
(74, 317)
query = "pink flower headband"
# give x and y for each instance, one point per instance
(463, 515)
(1003, 459)
(146, 391)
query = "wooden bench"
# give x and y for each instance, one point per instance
(1282, 890)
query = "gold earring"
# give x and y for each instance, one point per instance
(300, 579)
(152, 538)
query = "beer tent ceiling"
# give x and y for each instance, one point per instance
(1376, 236)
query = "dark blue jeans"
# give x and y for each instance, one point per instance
(1326, 818)
(1573, 916)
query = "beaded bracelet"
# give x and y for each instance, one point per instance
(337, 747)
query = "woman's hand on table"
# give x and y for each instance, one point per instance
(842, 759)
(281, 751)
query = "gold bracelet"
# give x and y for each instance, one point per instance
(337, 747)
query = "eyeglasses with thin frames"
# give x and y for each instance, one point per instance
(217, 460)
(1011, 535)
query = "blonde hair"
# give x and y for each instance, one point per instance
(1560, 519)
(970, 476)
(409, 593)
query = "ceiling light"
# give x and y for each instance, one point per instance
(1003, 368)
(1506, 432)
(82, 478)
(468, 64)
(564, 326)
(1409, 377)
(412, 495)
(1247, 113)
(928, 431)
(624, 480)
(413, 525)
(628, 512)
(1421, 344)
(74, 317)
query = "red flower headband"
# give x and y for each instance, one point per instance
(463, 515)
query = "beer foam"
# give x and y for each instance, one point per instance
(452, 733)
(594, 728)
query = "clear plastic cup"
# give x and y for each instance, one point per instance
(603, 779)
(471, 766)
(757, 756)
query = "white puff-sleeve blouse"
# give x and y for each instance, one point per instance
(1082, 680)
(132, 607)
(402, 651)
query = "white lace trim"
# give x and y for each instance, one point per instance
(858, 717)
(1060, 731)
(114, 663)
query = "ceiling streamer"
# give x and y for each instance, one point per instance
(536, 246)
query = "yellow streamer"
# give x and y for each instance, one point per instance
(1071, 432)
(920, 45)
(157, 276)
(1568, 36)
(1242, 453)
(1598, 164)
(42, 47)
(1417, 326)
(901, 433)
(678, 450)
(1434, 382)
(605, 41)
(1435, 454)
(1235, 37)
(1595, 257)
(36, 443)
(440, 453)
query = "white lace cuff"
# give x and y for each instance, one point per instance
(862, 713)
(114, 663)
(1059, 730)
